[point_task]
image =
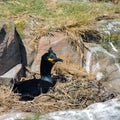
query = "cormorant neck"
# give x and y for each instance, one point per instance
(47, 78)
(45, 71)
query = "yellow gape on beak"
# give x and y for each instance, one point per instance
(51, 60)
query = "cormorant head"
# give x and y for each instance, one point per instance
(47, 62)
(51, 57)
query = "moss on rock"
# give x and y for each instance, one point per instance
(20, 26)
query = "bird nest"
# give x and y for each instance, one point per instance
(75, 89)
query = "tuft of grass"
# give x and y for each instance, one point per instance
(20, 26)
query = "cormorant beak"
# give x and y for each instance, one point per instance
(58, 60)
(55, 60)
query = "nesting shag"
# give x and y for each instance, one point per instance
(31, 88)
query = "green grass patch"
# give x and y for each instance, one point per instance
(34, 117)
(59, 14)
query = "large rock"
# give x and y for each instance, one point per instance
(105, 65)
(103, 59)
(59, 42)
(25, 28)
(9, 48)
(10, 77)
(10, 52)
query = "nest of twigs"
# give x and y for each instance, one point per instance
(75, 89)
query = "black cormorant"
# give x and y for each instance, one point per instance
(30, 88)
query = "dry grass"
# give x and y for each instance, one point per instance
(7, 98)
(68, 68)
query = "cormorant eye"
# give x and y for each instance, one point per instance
(52, 56)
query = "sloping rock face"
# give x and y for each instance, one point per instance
(10, 55)
(9, 48)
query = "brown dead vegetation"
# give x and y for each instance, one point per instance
(75, 89)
